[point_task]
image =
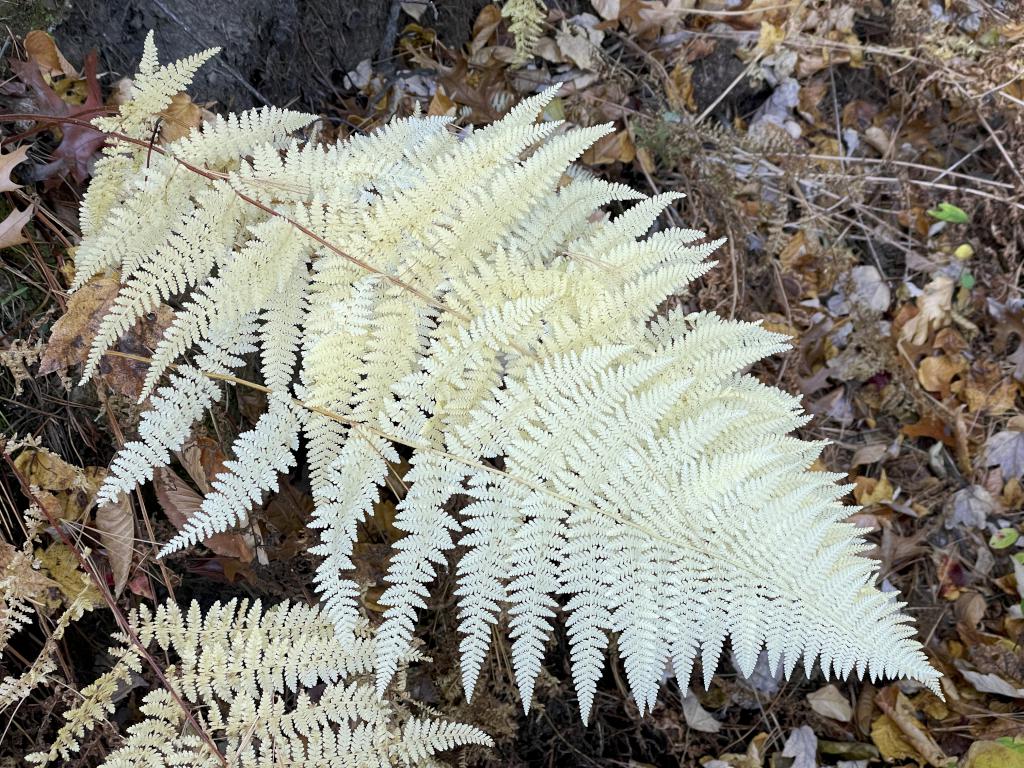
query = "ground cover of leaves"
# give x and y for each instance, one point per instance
(864, 160)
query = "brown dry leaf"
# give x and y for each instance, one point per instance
(180, 117)
(486, 24)
(770, 37)
(116, 523)
(936, 373)
(45, 469)
(988, 390)
(935, 309)
(10, 228)
(73, 333)
(179, 503)
(203, 459)
(47, 56)
(441, 105)
(615, 147)
(7, 163)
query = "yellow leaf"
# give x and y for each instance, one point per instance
(62, 566)
(47, 470)
(770, 38)
(868, 490)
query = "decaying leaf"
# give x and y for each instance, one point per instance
(45, 469)
(61, 565)
(971, 507)
(73, 333)
(116, 524)
(179, 503)
(1006, 451)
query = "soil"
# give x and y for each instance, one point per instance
(282, 52)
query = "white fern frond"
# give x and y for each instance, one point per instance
(574, 450)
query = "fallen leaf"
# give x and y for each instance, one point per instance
(935, 308)
(79, 143)
(802, 746)
(116, 523)
(970, 507)
(611, 148)
(45, 469)
(992, 683)
(911, 738)
(1003, 753)
(124, 375)
(829, 702)
(44, 52)
(179, 503)
(697, 717)
(870, 490)
(61, 565)
(7, 163)
(1006, 451)
(10, 228)
(73, 333)
(936, 373)
(179, 118)
(606, 9)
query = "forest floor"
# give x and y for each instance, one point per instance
(864, 160)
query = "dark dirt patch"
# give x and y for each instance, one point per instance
(282, 52)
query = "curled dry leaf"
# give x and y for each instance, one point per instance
(42, 50)
(934, 311)
(116, 524)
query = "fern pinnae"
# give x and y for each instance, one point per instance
(467, 303)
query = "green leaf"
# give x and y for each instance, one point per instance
(967, 280)
(1003, 538)
(949, 212)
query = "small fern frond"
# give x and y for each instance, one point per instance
(248, 676)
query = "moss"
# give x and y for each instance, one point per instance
(22, 16)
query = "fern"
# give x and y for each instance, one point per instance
(458, 296)
(248, 675)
